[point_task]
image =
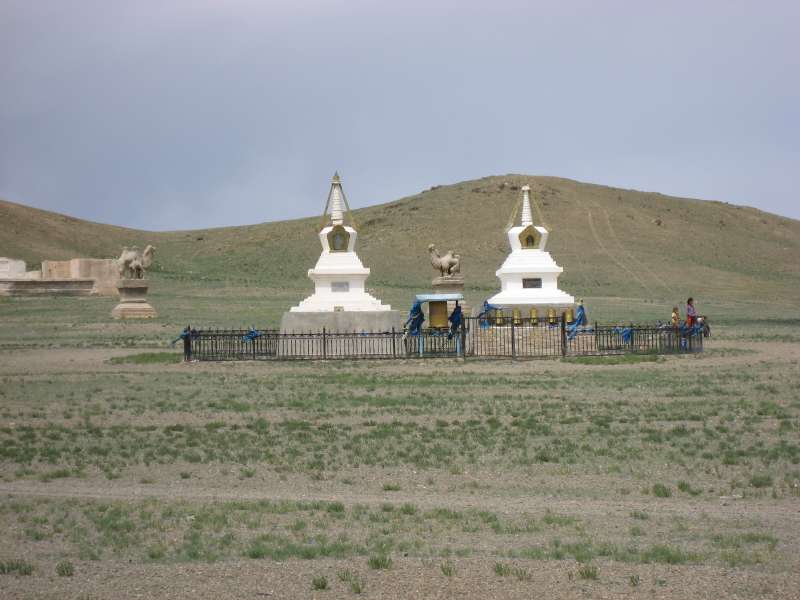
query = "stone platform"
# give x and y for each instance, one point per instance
(47, 287)
(133, 300)
(361, 321)
(451, 285)
(339, 322)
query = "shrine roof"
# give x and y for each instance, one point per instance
(438, 297)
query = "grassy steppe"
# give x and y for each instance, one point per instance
(675, 474)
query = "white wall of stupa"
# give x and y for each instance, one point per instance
(529, 276)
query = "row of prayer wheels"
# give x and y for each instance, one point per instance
(501, 318)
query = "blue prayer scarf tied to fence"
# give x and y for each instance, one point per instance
(626, 332)
(686, 331)
(455, 318)
(580, 315)
(483, 317)
(579, 326)
(690, 330)
(186, 333)
(251, 335)
(415, 318)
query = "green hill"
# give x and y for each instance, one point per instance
(612, 243)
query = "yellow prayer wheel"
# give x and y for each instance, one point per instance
(570, 316)
(437, 314)
(498, 318)
(534, 316)
(552, 318)
(517, 317)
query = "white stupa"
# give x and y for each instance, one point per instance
(340, 301)
(339, 275)
(529, 276)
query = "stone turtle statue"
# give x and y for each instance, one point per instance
(132, 263)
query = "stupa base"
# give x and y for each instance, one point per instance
(359, 321)
(561, 302)
(525, 307)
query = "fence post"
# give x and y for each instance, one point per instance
(394, 350)
(563, 334)
(324, 344)
(253, 343)
(463, 334)
(513, 340)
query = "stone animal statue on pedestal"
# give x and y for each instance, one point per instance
(448, 265)
(132, 263)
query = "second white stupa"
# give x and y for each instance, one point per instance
(529, 276)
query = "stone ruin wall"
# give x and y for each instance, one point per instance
(56, 269)
(11, 268)
(79, 276)
(103, 270)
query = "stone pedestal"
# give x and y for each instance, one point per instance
(451, 285)
(133, 300)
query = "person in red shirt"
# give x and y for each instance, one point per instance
(691, 313)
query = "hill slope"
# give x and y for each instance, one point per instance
(611, 242)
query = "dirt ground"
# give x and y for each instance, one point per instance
(483, 522)
(408, 578)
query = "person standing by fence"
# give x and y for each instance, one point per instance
(675, 321)
(186, 335)
(691, 313)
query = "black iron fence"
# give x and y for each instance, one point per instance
(476, 338)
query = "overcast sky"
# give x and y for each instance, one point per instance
(196, 113)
